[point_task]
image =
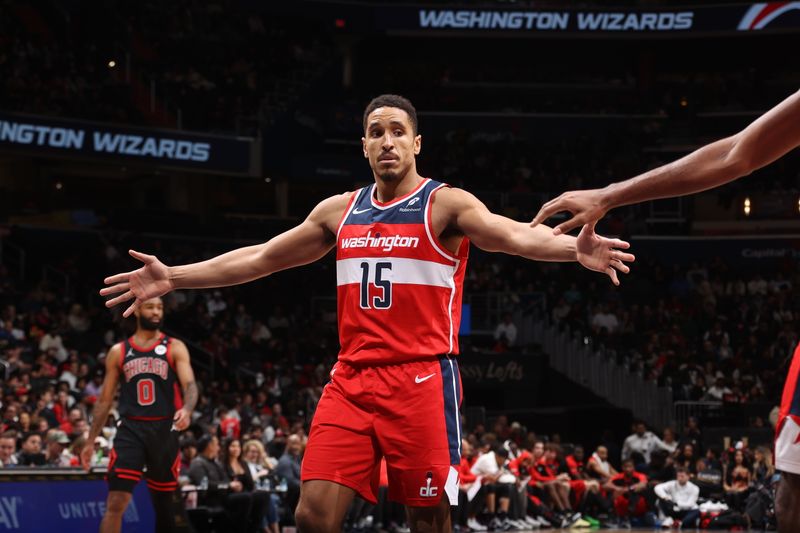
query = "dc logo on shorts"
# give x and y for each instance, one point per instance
(427, 491)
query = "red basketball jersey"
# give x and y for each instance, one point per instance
(399, 290)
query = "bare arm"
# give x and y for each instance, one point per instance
(771, 136)
(104, 402)
(301, 245)
(494, 233)
(766, 139)
(183, 368)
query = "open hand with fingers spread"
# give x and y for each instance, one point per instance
(587, 207)
(149, 281)
(602, 254)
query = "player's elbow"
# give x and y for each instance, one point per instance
(739, 159)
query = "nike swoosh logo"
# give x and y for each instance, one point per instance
(418, 379)
(357, 212)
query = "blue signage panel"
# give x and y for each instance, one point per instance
(68, 507)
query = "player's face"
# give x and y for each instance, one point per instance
(602, 453)
(390, 143)
(682, 477)
(628, 469)
(150, 314)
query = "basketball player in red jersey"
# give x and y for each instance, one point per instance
(149, 365)
(401, 250)
(771, 136)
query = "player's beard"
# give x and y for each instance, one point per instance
(388, 176)
(149, 325)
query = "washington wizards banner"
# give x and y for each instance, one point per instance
(758, 17)
(63, 138)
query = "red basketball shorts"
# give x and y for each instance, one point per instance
(407, 413)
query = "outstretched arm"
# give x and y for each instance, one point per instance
(494, 233)
(103, 404)
(771, 136)
(301, 245)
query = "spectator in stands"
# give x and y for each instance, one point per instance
(630, 504)
(598, 466)
(604, 320)
(737, 480)
(289, 469)
(489, 470)
(505, 334)
(55, 455)
(8, 449)
(188, 447)
(708, 479)
(30, 453)
(585, 490)
(763, 466)
(668, 443)
(555, 486)
(466, 514)
(206, 471)
(686, 458)
(677, 500)
(260, 468)
(237, 470)
(718, 391)
(640, 443)
(216, 304)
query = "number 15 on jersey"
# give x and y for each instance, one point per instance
(377, 278)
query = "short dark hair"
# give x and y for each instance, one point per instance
(28, 435)
(392, 100)
(203, 442)
(681, 470)
(501, 451)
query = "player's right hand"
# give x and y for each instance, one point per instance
(149, 281)
(586, 207)
(86, 455)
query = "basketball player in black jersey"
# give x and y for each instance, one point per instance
(153, 410)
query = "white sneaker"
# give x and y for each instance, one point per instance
(474, 525)
(520, 525)
(532, 522)
(667, 522)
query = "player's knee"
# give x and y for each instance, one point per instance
(117, 502)
(310, 520)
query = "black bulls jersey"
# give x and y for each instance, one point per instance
(149, 384)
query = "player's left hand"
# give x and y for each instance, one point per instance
(602, 254)
(182, 419)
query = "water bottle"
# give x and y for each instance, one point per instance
(282, 486)
(204, 483)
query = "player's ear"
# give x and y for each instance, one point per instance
(364, 147)
(417, 144)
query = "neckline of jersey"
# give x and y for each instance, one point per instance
(140, 349)
(381, 205)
